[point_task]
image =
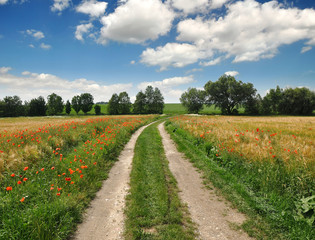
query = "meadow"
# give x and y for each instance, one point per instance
(52, 167)
(264, 165)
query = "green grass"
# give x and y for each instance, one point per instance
(154, 210)
(270, 210)
(57, 188)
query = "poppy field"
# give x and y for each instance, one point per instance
(51, 168)
(269, 161)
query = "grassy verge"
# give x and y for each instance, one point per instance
(154, 210)
(270, 210)
(44, 197)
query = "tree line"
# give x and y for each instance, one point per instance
(149, 102)
(229, 95)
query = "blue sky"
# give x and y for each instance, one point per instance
(103, 47)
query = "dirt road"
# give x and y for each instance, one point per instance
(211, 214)
(104, 218)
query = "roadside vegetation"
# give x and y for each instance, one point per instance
(154, 210)
(50, 173)
(264, 165)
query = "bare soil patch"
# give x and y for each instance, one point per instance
(215, 219)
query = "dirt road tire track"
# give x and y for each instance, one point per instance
(212, 215)
(104, 218)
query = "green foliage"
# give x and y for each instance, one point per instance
(54, 104)
(76, 103)
(154, 100)
(306, 210)
(13, 106)
(124, 103)
(227, 93)
(140, 103)
(37, 107)
(86, 102)
(97, 109)
(193, 100)
(113, 105)
(68, 107)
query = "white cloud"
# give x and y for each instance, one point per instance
(3, 1)
(36, 34)
(92, 8)
(137, 21)
(173, 54)
(189, 6)
(132, 62)
(45, 46)
(31, 46)
(306, 49)
(249, 31)
(4, 70)
(60, 5)
(82, 29)
(31, 85)
(168, 82)
(232, 73)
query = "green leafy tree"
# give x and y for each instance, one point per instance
(298, 101)
(13, 106)
(124, 103)
(158, 101)
(68, 107)
(271, 102)
(54, 104)
(139, 106)
(149, 95)
(76, 103)
(97, 109)
(227, 93)
(113, 105)
(37, 107)
(2, 108)
(87, 102)
(193, 100)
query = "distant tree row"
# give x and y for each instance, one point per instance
(13, 106)
(229, 95)
(149, 102)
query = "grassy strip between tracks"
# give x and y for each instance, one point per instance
(154, 210)
(267, 217)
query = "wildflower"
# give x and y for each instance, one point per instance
(25, 179)
(51, 188)
(52, 168)
(68, 179)
(19, 182)
(81, 176)
(25, 168)
(9, 188)
(58, 194)
(42, 169)
(22, 200)
(12, 175)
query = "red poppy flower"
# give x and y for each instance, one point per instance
(9, 188)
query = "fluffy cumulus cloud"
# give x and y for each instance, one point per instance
(45, 46)
(137, 21)
(3, 1)
(60, 5)
(249, 31)
(30, 85)
(167, 85)
(188, 6)
(82, 29)
(92, 8)
(232, 73)
(173, 54)
(34, 33)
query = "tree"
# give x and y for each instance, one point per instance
(149, 95)
(37, 107)
(54, 104)
(13, 106)
(87, 102)
(271, 101)
(140, 103)
(76, 103)
(68, 107)
(97, 109)
(124, 103)
(2, 108)
(193, 100)
(227, 93)
(158, 101)
(113, 105)
(298, 101)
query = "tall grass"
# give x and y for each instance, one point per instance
(277, 186)
(57, 172)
